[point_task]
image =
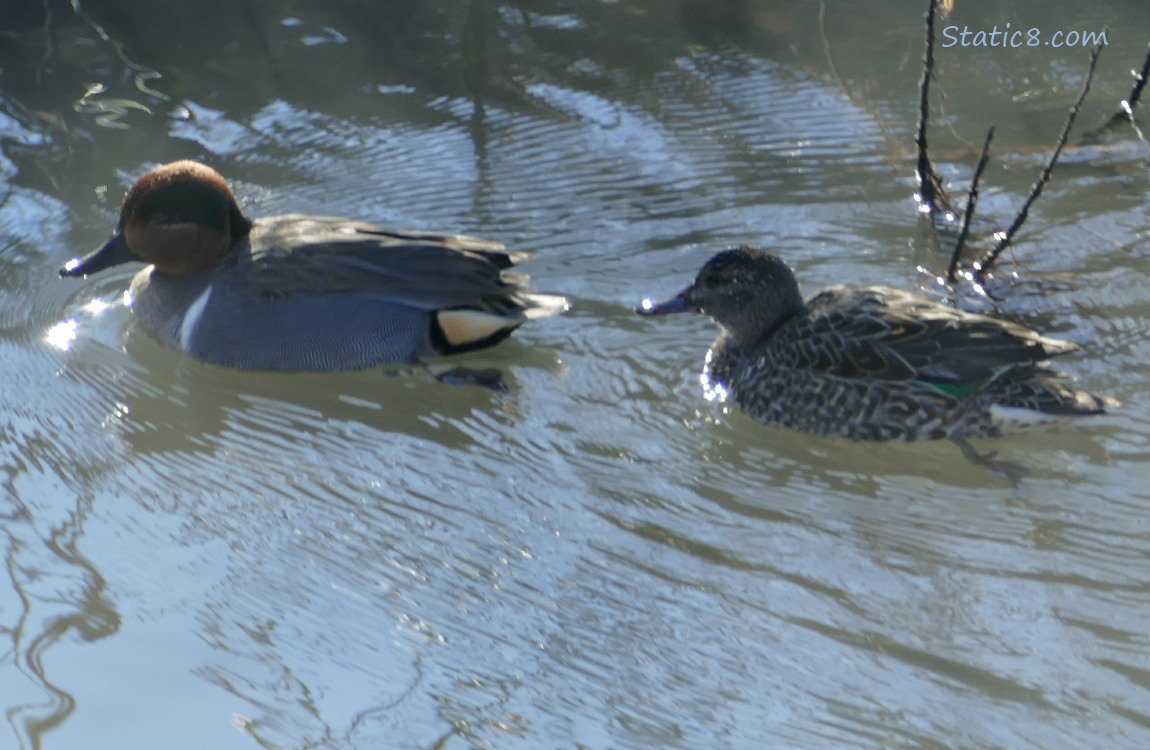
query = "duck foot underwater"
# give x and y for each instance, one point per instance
(871, 363)
(484, 377)
(1008, 470)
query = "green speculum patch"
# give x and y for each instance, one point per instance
(954, 390)
(186, 203)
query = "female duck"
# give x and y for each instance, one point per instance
(299, 292)
(871, 363)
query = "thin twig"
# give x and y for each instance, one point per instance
(930, 192)
(1126, 106)
(1004, 240)
(1139, 83)
(971, 202)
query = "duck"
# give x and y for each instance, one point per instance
(870, 362)
(297, 292)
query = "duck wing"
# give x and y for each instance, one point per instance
(297, 254)
(889, 334)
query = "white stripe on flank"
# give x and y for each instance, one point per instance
(192, 318)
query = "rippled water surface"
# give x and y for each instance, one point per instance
(599, 558)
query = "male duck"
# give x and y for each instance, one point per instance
(300, 292)
(871, 363)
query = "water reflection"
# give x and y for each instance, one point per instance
(61, 596)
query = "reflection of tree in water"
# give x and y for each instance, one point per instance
(68, 69)
(62, 595)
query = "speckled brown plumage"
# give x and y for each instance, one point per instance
(871, 363)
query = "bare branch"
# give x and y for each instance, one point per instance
(1126, 106)
(971, 202)
(1139, 84)
(1005, 239)
(930, 193)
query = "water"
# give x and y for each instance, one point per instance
(601, 558)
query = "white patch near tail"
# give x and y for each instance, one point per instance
(192, 318)
(1015, 419)
(545, 305)
(462, 327)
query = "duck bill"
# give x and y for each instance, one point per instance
(114, 252)
(680, 303)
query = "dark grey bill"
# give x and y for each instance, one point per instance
(114, 252)
(677, 304)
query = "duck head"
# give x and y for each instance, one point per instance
(180, 217)
(748, 291)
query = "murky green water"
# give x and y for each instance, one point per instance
(200, 558)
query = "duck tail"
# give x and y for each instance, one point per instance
(1056, 395)
(1048, 393)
